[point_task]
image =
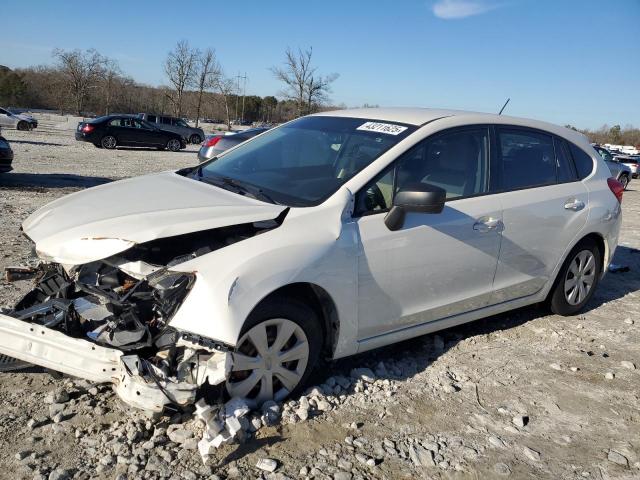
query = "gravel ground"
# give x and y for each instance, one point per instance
(520, 395)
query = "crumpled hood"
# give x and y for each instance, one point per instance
(99, 222)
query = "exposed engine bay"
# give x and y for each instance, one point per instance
(125, 303)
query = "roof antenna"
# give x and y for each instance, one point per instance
(505, 104)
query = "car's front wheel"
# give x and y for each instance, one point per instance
(278, 348)
(577, 280)
(195, 138)
(22, 125)
(173, 145)
(109, 142)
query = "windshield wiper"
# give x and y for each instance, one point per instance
(236, 186)
(255, 192)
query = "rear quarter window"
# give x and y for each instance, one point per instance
(582, 160)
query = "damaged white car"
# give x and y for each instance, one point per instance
(327, 236)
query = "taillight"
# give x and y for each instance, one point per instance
(616, 188)
(87, 128)
(212, 141)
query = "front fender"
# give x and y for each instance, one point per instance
(231, 281)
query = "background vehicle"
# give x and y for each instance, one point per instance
(619, 170)
(216, 144)
(18, 121)
(174, 124)
(113, 131)
(632, 162)
(6, 155)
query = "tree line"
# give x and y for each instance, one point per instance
(88, 83)
(615, 135)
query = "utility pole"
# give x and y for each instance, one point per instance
(244, 94)
(237, 96)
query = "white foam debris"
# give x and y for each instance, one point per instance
(222, 423)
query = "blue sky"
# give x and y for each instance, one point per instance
(564, 61)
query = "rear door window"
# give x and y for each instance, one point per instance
(151, 118)
(566, 169)
(527, 158)
(582, 160)
(165, 120)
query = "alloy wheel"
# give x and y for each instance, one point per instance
(269, 362)
(580, 277)
(109, 142)
(173, 145)
(624, 180)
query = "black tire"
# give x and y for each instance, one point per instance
(195, 138)
(299, 313)
(558, 302)
(109, 142)
(624, 180)
(22, 125)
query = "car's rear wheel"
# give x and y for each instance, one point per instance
(577, 280)
(108, 141)
(195, 138)
(173, 145)
(22, 125)
(624, 180)
(278, 348)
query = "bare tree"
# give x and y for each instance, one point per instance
(302, 83)
(110, 76)
(317, 90)
(207, 75)
(226, 87)
(180, 68)
(82, 70)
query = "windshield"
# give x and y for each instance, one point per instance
(304, 162)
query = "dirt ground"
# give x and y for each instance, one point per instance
(521, 395)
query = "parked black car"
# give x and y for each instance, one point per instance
(6, 156)
(113, 131)
(216, 144)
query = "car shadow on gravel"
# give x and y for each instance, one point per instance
(32, 142)
(50, 180)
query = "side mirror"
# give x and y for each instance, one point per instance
(416, 197)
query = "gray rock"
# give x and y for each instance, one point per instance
(59, 474)
(342, 476)
(496, 441)
(520, 421)
(21, 455)
(365, 374)
(179, 435)
(420, 456)
(628, 364)
(618, 458)
(502, 469)
(531, 454)
(609, 376)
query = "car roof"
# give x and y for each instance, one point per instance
(422, 116)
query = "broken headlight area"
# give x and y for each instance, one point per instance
(102, 303)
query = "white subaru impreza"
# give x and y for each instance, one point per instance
(330, 235)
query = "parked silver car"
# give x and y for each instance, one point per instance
(19, 121)
(619, 170)
(175, 124)
(214, 145)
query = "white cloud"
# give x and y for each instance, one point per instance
(452, 9)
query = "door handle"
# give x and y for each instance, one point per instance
(488, 224)
(574, 204)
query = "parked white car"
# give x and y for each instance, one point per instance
(327, 236)
(19, 121)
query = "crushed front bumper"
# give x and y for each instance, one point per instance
(51, 349)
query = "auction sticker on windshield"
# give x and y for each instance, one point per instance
(388, 128)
